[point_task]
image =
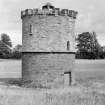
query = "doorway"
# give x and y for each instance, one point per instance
(67, 78)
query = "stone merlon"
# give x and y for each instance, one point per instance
(47, 10)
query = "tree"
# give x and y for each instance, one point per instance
(96, 48)
(6, 39)
(88, 46)
(5, 46)
(5, 50)
(102, 54)
(18, 48)
(17, 52)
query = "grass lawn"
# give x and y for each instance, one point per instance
(88, 71)
(10, 68)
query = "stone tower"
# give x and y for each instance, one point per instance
(48, 45)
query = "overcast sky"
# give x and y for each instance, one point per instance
(91, 16)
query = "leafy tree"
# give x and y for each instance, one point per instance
(18, 48)
(6, 39)
(5, 46)
(102, 54)
(88, 46)
(96, 48)
(5, 50)
(17, 52)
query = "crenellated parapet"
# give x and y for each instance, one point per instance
(49, 10)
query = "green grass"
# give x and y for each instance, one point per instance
(90, 65)
(90, 71)
(63, 96)
(10, 68)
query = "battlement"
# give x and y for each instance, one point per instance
(48, 10)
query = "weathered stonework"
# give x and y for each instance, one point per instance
(48, 45)
(47, 68)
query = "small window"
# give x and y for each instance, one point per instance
(30, 29)
(68, 45)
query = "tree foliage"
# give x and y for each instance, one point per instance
(5, 46)
(88, 46)
(6, 39)
(18, 48)
(17, 52)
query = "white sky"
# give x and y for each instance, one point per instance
(91, 16)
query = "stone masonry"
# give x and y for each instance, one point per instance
(48, 45)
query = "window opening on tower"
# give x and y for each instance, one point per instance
(68, 45)
(30, 29)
